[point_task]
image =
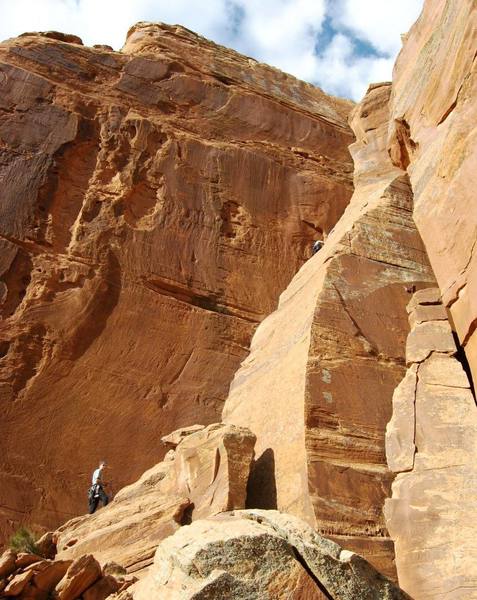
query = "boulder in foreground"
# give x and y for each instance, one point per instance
(258, 555)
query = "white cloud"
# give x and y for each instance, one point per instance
(283, 33)
(107, 21)
(341, 71)
(377, 22)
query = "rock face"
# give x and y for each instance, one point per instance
(431, 442)
(206, 475)
(258, 555)
(155, 202)
(432, 134)
(317, 387)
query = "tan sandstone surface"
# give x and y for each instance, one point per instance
(431, 442)
(258, 555)
(205, 474)
(433, 135)
(154, 203)
(317, 386)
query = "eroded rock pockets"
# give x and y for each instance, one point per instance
(431, 445)
(155, 202)
(317, 386)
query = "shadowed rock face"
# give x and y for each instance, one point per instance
(432, 134)
(154, 204)
(431, 445)
(317, 387)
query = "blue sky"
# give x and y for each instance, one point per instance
(340, 45)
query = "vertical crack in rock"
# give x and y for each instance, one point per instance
(313, 577)
(441, 115)
(414, 405)
(434, 498)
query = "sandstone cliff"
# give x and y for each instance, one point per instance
(317, 387)
(432, 432)
(432, 135)
(431, 442)
(154, 203)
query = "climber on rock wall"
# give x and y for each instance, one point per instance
(96, 491)
(317, 245)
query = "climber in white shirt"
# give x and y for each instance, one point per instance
(96, 492)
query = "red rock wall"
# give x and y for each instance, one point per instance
(431, 443)
(154, 203)
(432, 134)
(431, 437)
(317, 386)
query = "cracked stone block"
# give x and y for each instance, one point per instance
(433, 336)
(441, 369)
(425, 297)
(424, 313)
(435, 421)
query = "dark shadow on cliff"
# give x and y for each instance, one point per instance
(462, 358)
(262, 486)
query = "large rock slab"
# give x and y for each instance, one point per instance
(211, 468)
(431, 443)
(432, 134)
(258, 555)
(317, 386)
(155, 202)
(206, 475)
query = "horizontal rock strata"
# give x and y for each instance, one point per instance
(318, 384)
(431, 442)
(258, 555)
(206, 474)
(155, 202)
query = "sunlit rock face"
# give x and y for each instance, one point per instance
(317, 387)
(205, 474)
(432, 134)
(431, 443)
(154, 204)
(257, 554)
